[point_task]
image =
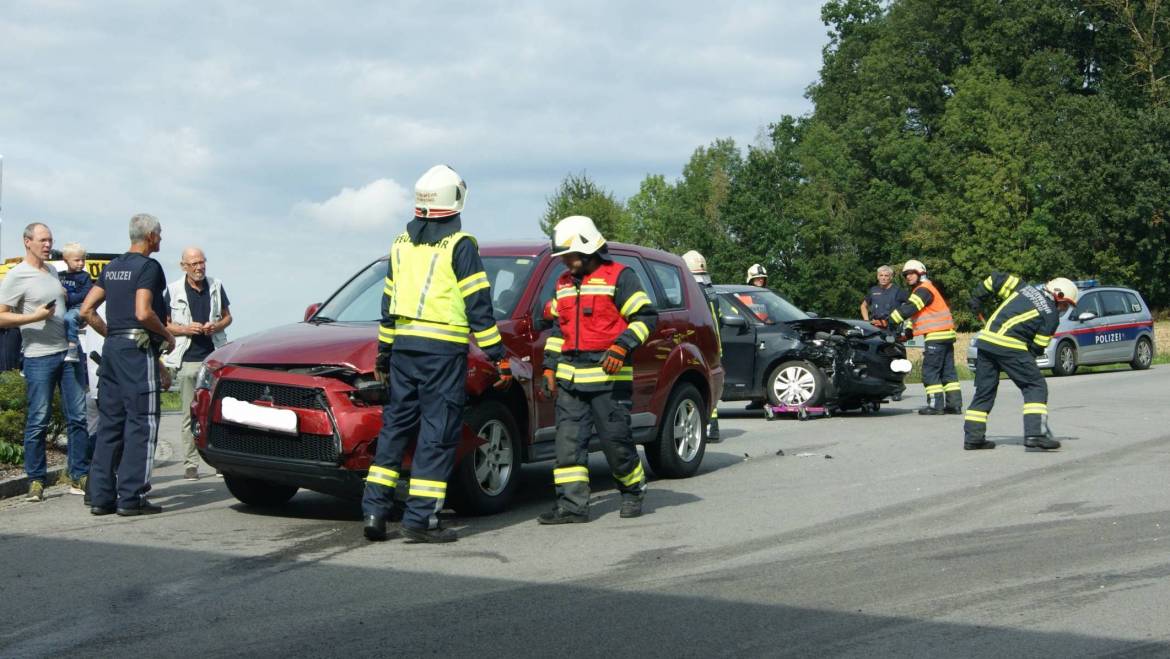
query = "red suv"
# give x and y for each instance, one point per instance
(322, 370)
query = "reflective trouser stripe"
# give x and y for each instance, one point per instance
(1035, 408)
(952, 386)
(424, 488)
(975, 416)
(633, 478)
(382, 476)
(576, 474)
(934, 388)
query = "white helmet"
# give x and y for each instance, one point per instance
(755, 271)
(695, 262)
(1063, 290)
(439, 193)
(576, 233)
(914, 265)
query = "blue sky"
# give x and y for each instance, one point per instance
(285, 138)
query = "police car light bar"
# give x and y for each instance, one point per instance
(1086, 283)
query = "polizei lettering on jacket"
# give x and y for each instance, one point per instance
(1037, 298)
(118, 275)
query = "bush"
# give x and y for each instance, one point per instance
(13, 409)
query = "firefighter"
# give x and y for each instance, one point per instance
(932, 320)
(1018, 331)
(603, 314)
(757, 276)
(435, 295)
(697, 264)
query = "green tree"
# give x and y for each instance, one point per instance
(579, 195)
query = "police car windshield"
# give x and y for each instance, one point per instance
(769, 307)
(360, 299)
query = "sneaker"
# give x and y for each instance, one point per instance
(439, 534)
(72, 354)
(631, 507)
(36, 491)
(559, 515)
(975, 446)
(77, 485)
(191, 474)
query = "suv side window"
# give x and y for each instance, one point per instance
(1113, 303)
(670, 279)
(1135, 305)
(636, 264)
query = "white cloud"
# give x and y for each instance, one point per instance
(374, 205)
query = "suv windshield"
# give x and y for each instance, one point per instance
(769, 307)
(360, 299)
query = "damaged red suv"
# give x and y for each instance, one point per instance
(316, 377)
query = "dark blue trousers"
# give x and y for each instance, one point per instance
(426, 391)
(128, 408)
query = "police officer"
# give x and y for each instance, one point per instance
(883, 298)
(436, 295)
(932, 320)
(603, 314)
(1018, 331)
(697, 264)
(130, 379)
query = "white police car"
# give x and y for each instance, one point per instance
(1109, 325)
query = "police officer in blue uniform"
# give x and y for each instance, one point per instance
(436, 296)
(131, 379)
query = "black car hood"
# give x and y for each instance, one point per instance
(831, 325)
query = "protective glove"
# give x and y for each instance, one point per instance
(615, 359)
(548, 383)
(382, 364)
(505, 368)
(877, 322)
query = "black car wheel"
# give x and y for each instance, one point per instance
(796, 382)
(486, 479)
(254, 492)
(682, 435)
(1143, 355)
(1066, 359)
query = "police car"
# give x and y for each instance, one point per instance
(1109, 325)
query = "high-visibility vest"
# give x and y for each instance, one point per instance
(426, 289)
(933, 320)
(590, 320)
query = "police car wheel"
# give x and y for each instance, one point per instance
(486, 478)
(682, 435)
(1143, 354)
(796, 382)
(1066, 359)
(255, 492)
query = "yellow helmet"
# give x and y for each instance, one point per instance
(1063, 290)
(914, 265)
(576, 233)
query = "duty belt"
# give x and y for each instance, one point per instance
(141, 338)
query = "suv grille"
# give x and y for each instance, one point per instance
(316, 448)
(281, 395)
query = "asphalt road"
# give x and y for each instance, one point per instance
(899, 544)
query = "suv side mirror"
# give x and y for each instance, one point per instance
(311, 309)
(734, 321)
(1086, 315)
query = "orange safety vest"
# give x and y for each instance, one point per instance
(935, 318)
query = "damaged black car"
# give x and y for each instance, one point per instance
(775, 353)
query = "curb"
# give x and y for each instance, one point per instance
(18, 486)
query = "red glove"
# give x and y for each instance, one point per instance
(549, 383)
(505, 368)
(615, 359)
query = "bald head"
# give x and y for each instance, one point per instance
(194, 264)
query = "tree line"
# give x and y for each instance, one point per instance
(1027, 136)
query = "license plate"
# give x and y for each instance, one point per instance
(259, 417)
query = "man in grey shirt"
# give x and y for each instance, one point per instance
(31, 297)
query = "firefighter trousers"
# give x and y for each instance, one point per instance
(940, 377)
(426, 392)
(1021, 368)
(577, 414)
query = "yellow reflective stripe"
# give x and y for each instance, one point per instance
(1035, 408)
(425, 488)
(594, 289)
(1003, 341)
(488, 337)
(917, 301)
(381, 481)
(389, 473)
(382, 476)
(1016, 320)
(386, 334)
(436, 331)
(1042, 340)
(1009, 285)
(563, 475)
(554, 344)
(995, 314)
(952, 386)
(714, 412)
(640, 330)
(976, 416)
(636, 302)
(388, 286)
(592, 374)
(934, 388)
(568, 291)
(987, 283)
(476, 282)
(634, 477)
(944, 335)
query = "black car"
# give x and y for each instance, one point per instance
(774, 352)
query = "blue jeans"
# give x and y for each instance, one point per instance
(72, 323)
(42, 375)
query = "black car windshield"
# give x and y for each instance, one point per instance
(767, 306)
(360, 299)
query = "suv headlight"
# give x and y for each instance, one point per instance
(205, 379)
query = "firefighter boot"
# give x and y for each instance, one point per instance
(713, 431)
(631, 506)
(374, 528)
(934, 405)
(975, 446)
(953, 402)
(559, 515)
(1045, 442)
(437, 534)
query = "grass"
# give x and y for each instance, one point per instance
(170, 401)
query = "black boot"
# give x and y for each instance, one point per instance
(374, 528)
(975, 446)
(930, 411)
(713, 431)
(631, 506)
(559, 515)
(1046, 442)
(438, 534)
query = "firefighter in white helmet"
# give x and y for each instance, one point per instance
(602, 315)
(697, 264)
(435, 298)
(932, 321)
(1017, 331)
(757, 276)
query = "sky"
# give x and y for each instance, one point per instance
(285, 138)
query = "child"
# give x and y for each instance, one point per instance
(77, 283)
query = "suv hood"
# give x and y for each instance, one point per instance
(813, 325)
(343, 344)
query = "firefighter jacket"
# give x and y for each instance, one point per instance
(441, 296)
(1024, 319)
(605, 307)
(929, 312)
